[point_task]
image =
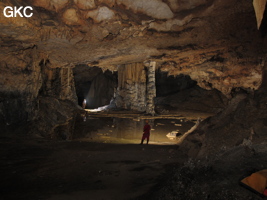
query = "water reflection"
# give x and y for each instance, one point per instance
(129, 130)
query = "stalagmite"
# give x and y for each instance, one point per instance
(151, 88)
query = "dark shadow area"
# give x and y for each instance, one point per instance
(263, 26)
(41, 169)
(168, 85)
(181, 93)
(94, 85)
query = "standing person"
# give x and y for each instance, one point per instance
(146, 133)
(84, 104)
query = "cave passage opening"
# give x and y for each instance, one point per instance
(176, 96)
(94, 85)
(169, 84)
(180, 93)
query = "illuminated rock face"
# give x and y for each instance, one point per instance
(101, 14)
(153, 8)
(32, 91)
(259, 6)
(131, 92)
(85, 4)
(215, 42)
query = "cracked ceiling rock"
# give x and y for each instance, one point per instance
(170, 24)
(153, 8)
(101, 14)
(71, 17)
(178, 5)
(85, 4)
(54, 5)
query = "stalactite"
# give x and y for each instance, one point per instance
(130, 74)
(259, 7)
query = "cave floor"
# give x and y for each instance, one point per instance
(55, 170)
(106, 167)
(91, 165)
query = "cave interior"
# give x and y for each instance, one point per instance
(80, 78)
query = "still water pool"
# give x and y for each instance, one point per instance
(129, 129)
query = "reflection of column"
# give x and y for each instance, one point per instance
(151, 88)
(152, 125)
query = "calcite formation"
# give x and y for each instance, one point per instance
(131, 93)
(151, 88)
(214, 42)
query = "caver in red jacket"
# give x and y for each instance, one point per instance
(146, 133)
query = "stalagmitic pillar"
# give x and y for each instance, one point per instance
(151, 88)
(134, 91)
(131, 92)
(59, 83)
(67, 85)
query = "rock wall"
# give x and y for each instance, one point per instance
(56, 118)
(57, 102)
(20, 81)
(220, 73)
(243, 123)
(27, 83)
(58, 82)
(215, 42)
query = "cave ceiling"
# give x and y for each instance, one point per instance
(213, 41)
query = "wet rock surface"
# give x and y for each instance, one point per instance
(242, 120)
(217, 178)
(42, 169)
(34, 167)
(214, 42)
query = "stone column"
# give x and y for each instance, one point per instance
(131, 92)
(67, 85)
(151, 88)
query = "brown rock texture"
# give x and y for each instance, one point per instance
(215, 42)
(131, 93)
(259, 7)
